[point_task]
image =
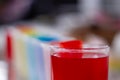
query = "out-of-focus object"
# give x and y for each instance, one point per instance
(112, 8)
(114, 63)
(116, 45)
(2, 43)
(87, 12)
(3, 70)
(94, 39)
(106, 32)
(90, 8)
(115, 56)
(28, 49)
(14, 10)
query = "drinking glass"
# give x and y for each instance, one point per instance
(87, 63)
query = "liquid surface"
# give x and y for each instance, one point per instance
(78, 66)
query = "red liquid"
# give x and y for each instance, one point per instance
(77, 66)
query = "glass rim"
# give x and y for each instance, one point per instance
(96, 48)
(85, 47)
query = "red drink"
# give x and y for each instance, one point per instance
(79, 66)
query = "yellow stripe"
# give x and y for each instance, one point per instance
(21, 58)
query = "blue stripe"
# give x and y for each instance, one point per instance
(31, 60)
(40, 61)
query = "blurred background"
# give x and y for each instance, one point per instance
(95, 21)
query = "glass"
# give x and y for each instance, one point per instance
(88, 63)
